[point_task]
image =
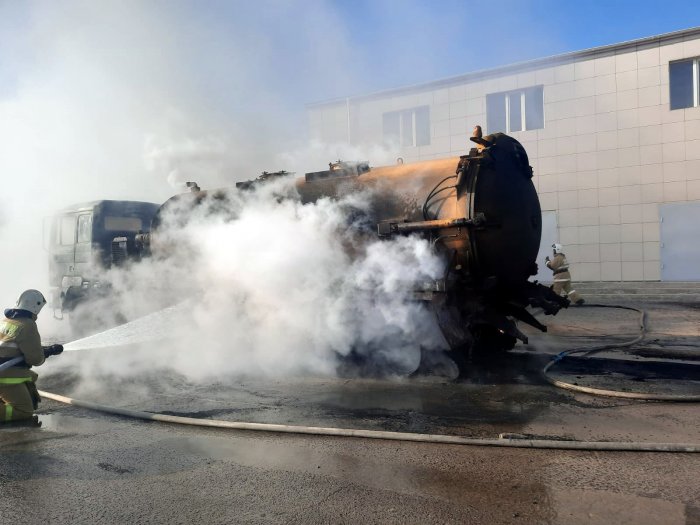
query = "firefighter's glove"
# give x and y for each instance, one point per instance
(53, 350)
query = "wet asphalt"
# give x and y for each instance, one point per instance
(82, 466)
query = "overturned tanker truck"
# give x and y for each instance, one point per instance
(480, 213)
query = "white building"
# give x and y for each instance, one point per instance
(613, 135)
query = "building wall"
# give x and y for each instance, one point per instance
(610, 153)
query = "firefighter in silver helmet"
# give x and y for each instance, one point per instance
(562, 278)
(19, 338)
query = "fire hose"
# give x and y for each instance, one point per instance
(613, 393)
(504, 440)
(12, 362)
(19, 360)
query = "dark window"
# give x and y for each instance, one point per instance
(423, 126)
(410, 127)
(392, 126)
(131, 224)
(407, 128)
(534, 108)
(515, 111)
(519, 110)
(496, 112)
(683, 83)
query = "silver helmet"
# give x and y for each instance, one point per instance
(32, 301)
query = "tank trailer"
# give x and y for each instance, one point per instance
(480, 212)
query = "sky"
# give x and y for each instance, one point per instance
(129, 99)
(414, 42)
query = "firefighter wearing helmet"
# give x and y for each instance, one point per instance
(20, 342)
(562, 278)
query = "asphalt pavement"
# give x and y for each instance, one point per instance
(83, 466)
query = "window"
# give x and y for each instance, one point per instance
(518, 110)
(84, 228)
(132, 224)
(67, 230)
(683, 83)
(409, 127)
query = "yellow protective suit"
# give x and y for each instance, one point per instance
(562, 278)
(19, 337)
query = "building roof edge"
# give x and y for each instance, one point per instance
(517, 66)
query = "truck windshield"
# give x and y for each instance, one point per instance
(131, 224)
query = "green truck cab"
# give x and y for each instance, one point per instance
(85, 240)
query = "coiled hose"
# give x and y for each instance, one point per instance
(613, 393)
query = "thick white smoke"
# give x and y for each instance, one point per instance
(274, 286)
(123, 99)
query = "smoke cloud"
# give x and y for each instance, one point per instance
(268, 285)
(130, 99)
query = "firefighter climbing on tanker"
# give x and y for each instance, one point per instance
(20, 349)
(562, 278)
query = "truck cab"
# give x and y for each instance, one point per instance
(86, 239)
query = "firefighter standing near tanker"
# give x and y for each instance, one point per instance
(19, 338)
(562, 278)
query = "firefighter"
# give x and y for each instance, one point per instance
(562, 278)
(19, 337)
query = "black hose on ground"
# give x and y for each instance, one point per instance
(613, 393)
